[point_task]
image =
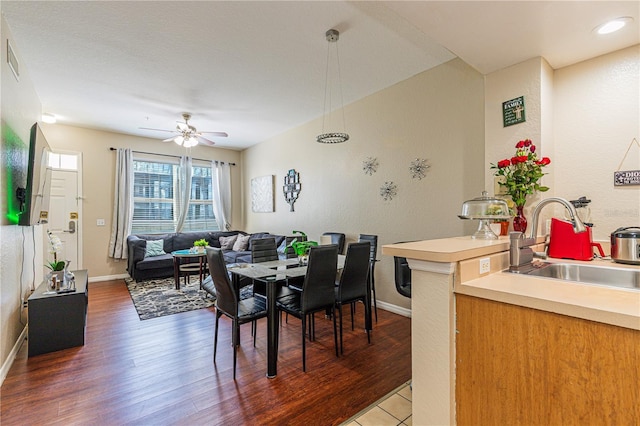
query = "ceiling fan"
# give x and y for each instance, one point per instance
(186, 135)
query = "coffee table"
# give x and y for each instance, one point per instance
(178, 266)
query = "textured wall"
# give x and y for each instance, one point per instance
(583, 117)
(20, 108)
(437, 115)
(597, 114)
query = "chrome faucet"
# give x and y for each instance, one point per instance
(520, 252)
(578, 226)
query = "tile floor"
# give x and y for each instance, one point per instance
(392, 410)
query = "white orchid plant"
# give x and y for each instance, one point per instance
(55, 245)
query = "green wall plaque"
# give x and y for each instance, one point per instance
(513, 112)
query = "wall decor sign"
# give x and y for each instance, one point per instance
(292, 187)
(627, 177)
(513, 112)
(262, 194)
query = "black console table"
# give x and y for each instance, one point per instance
(57, 321)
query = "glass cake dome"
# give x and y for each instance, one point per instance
(487, 210)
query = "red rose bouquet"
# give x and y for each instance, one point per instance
(522, 172)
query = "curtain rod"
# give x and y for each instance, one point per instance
(171, 155)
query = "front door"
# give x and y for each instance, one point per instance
(64, 216)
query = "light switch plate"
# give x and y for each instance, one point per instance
(100, 222)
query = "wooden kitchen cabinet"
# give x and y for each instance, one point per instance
(522, 366)
(57, 321)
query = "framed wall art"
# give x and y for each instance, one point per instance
(262, 194)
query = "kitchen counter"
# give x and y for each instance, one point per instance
(442, 268)
(605, 304)
(610, 305)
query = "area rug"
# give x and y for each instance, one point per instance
(159, 297)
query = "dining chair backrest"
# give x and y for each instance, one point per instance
(289, 251)
(226, 298)
(353, 281)
(402, 275)
(318, 289)
(373, 239)
(264, 250)
(337, 238)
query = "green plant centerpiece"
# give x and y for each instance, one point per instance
(301, 248)
(200, 245)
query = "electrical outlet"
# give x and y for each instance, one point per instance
(100, 222)
(485, 265)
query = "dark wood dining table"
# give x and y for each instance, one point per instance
(273, 273)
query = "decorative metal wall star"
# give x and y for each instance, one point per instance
(370, 166)
(388, 191)
(418, 168)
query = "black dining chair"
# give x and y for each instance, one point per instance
(289, 252)
(338, 239)
(318, 293)
(263, 250)
(402, 275)
(229, 304)
(373, 239)
(352, 286)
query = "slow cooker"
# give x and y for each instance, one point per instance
(625, 245)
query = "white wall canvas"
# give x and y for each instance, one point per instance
(262, 194)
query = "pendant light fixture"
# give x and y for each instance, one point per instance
(332, 36)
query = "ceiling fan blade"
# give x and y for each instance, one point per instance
(183, 127)
(169, 139)
(205, 141)
(218, 134)
(157, 130)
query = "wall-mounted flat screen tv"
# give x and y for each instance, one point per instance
(34, 198)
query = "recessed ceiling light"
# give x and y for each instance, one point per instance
(613, 25)
(48, 118)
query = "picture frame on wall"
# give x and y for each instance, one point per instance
(262, 200)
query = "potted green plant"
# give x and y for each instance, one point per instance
(200, 245)
(301, 248)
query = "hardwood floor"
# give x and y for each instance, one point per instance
(161, 371)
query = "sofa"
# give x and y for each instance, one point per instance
(144, 264)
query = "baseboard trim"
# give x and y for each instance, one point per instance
(12, 355)
(107, 277)
(395, 309)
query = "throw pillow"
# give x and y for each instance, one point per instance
(226, 243)
(154, 248)
(241, 243)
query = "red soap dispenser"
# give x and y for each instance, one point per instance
(564, 243)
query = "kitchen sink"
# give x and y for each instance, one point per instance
(609, 276)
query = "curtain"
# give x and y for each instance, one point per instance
(182, 192)
(122, 204)
(221, 183)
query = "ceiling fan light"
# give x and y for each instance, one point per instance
(179, 140)
(190, 141)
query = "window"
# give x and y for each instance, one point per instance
(63, 161)
(154, 185)
(200, 215)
